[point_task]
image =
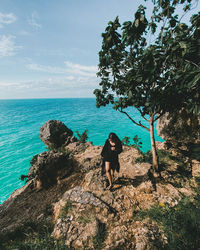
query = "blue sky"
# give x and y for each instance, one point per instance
(49, 48)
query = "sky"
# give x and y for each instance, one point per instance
(49, 48)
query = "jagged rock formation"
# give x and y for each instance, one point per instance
(50, 166)
(54, 134)
(179, 128)
(181, 132)
(82, 207)
(86, 215)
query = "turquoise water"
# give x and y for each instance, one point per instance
(20, 122)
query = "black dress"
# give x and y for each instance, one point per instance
(111, 156)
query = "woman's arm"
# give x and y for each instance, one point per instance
(119, 148)
(105, 148)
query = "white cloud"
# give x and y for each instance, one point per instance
(73, 80)
(81, 69)
(8, 84)
(24, 33)
(49, 88)
(7, 19)
(46, 69)
(33, 20)
(70, 69)
(7, 46)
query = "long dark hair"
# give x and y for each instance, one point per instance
(114, 138)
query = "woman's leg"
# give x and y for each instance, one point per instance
(112, 171)
(107, 166)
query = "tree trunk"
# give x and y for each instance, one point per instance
(153, 144)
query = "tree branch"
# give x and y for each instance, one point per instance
(158, 117)
(138, 124)
(162, 29)
(193, 7)
(143, 115)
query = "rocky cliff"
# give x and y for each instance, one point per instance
(181, 130)
(71, 195)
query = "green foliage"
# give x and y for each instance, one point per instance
(176, 175)
(126, 141)
(180, 223)
(165, 158)
(85, 218)
(145, 157)
(82, 138)
(66, 209)
(99, 238)
(154, 77)
(136, 142)
(32, 236)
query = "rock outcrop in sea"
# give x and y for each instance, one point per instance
(65, 187)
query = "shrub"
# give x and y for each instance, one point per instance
(126, 141)
(82, 138)
(32, 237)
(64, 210)
(136, 142)
(180, 223)
(145, 157)
(165, 158)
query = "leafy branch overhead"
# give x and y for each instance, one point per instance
(152, 77)
(156, 76)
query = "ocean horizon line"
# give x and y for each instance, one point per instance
(46, 98)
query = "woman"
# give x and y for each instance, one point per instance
(110, 151)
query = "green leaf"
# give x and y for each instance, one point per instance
(194, 81)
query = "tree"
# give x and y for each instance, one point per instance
(137, 73)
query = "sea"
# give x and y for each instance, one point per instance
(20, 122)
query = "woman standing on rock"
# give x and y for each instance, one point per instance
(110, 151)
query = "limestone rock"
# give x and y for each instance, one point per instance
(148, 236)
(78, 217)
(87, 156)
(55, 134)
(82, 210)
(179, 127)
(94, 181)
(48, 166)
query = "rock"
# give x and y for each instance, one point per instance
(168, 194)
(78, 148)
(55, 134)
(179, 127)
(148, 236)
(76, 218)
(85, 215)
(12, 198)
(50, 165)
(94, 181)
(80, 196)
